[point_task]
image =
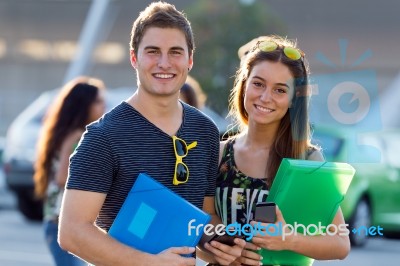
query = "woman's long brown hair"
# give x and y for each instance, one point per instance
(69, 111)
(293, 135)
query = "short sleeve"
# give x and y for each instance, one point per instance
(91, 165)
(316, 155)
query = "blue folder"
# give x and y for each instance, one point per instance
(154, 218)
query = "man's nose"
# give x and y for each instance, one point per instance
(163, 61)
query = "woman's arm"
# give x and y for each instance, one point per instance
(67, 148)
(320, 247)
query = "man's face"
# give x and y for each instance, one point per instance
(162, 61)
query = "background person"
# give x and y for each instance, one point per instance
(80, 102)
(270, 102)
(192, 93)
(135, 137)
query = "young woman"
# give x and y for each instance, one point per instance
(270, 102)
(80, 102)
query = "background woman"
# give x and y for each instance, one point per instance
(80, 102)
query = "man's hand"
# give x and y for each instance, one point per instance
(172, 257)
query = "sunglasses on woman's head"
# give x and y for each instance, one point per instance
(270, 46)
(181, 173)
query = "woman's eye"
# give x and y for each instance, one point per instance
(280, 90)
(258, 84)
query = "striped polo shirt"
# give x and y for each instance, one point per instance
(123, 143)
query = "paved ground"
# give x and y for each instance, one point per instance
(21, 242)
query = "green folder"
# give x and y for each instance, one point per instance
(307, 192)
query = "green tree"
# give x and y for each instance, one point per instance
(220, 28)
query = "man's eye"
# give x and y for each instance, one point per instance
(176, 52)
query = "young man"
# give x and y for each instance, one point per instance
(136, 137)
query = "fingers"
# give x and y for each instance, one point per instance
(181, 250)
(251, 246)
(247, 261)
(240, 242)
(225, 254)
(251, 255)
(172, 256)
(279, 215)
(189, 261)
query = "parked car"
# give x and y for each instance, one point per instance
(19, 152)
(2, 144)
(373, 197)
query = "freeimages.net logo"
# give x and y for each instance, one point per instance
(279, 229)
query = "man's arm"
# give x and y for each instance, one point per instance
(79, 235)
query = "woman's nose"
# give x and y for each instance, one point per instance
(266, 95)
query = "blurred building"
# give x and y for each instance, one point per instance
(38, 40)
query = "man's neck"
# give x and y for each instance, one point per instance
(164, 112)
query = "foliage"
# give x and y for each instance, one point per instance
(220, 28)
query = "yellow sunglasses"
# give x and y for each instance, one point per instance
(289, 52)
(181, 174)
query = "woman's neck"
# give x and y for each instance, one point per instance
(260, 137)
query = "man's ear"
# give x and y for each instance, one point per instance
(190, 62)
(133, 58)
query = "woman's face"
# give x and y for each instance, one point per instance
(268, 93)
(98, 107)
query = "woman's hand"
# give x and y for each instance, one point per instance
(225, 254)
(249, 256)
(270, 239)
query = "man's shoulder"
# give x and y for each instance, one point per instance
(110, 120)
(198, 116)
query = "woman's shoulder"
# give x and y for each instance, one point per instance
(314, 153)
(73, 138)
(69, 143)
(224, 147)
(226, 144)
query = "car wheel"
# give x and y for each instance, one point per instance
(31, 208)
(361, 217)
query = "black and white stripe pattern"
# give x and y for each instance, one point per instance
(122, 144)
